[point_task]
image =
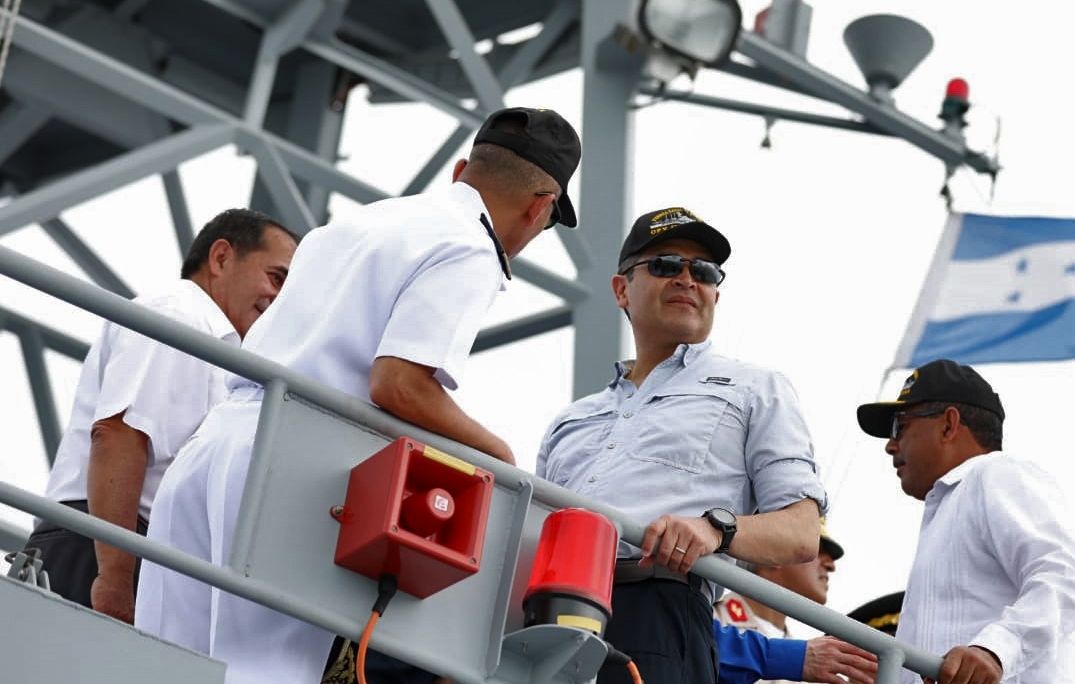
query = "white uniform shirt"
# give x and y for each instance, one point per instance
(410, 277)
(164, 392)
(995, 567)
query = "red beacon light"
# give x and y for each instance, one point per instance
(956, 103)
(571, 579)
(958, 89)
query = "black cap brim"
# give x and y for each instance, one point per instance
(876, 419)
(832, 548)
(567, 210)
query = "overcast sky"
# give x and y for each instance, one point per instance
(831, 232)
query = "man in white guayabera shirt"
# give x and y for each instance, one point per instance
(138, 401)
(992, 587)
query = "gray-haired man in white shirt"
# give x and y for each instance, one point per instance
(992, 586)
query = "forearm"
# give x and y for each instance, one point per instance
(117, 470)
(410, 392)
(783, 537)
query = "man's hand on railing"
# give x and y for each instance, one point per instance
(827, 658)
(969, 665)
(114, 595)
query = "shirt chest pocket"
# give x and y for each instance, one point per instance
(574, 441)
(677, 426)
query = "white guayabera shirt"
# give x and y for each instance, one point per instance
(995, 567)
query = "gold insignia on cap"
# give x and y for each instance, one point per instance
(669, 218)
(908, 385)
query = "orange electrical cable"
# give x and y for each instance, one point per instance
(636, 676)
(363, 644)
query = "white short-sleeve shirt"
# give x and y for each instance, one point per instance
(410, 277)
(164, 392)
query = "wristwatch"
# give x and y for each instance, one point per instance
(725, 521)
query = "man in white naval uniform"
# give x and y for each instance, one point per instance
(992, 585)
(138, 400)
(384, 306)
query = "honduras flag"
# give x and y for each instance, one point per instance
(1000, 289)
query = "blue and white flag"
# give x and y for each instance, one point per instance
(1000, 289)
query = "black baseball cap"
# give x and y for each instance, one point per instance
(830, 545)
(543, 138)
(674, 222)
(941, 380)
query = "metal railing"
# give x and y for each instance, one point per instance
(892, 654)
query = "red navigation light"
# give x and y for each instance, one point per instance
(958, 88)
(571, 579)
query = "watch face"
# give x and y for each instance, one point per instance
(722, 516)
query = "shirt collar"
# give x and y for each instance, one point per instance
(219, 325)
(956, 475)
(685, 354)
(473, 207)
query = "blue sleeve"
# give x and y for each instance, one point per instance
(745, 657)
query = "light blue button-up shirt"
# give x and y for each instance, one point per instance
(702, 431)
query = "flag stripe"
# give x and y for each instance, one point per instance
(984, 237)
(1023, 280)
(1042, 335)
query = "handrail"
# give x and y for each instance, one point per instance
(892, 653)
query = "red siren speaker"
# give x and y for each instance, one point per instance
(417, 513)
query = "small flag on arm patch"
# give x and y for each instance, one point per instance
(1000, 289)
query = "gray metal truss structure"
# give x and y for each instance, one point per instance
(101, 93)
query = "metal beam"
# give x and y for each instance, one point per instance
(282, 36)
(154, 158)
(610, 78)
(762, 110)
(177, 205)
(374, 68)
(169, 101)
(515, 71)
(86, 259)
(454, 27)
(547, 280)
(281, 186)
(33, 354)
(12, 537)
(528, 326)
(53, 339)
(18, 123)
(885, 117)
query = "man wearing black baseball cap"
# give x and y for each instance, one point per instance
(992, 586)
(384, 304)
(715, 452)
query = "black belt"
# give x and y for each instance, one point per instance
(629, 571)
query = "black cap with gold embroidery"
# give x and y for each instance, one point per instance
(674, 222)
(881, 613)
(941, 380)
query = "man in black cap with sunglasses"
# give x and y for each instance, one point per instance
(992, 586)
(713, 451)
(384, 305)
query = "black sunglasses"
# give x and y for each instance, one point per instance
(671, 265)
(897, 426)
(554, 217)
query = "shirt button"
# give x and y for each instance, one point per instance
(628, 414)
(611, 445)
(630, 394)
(593, 478)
